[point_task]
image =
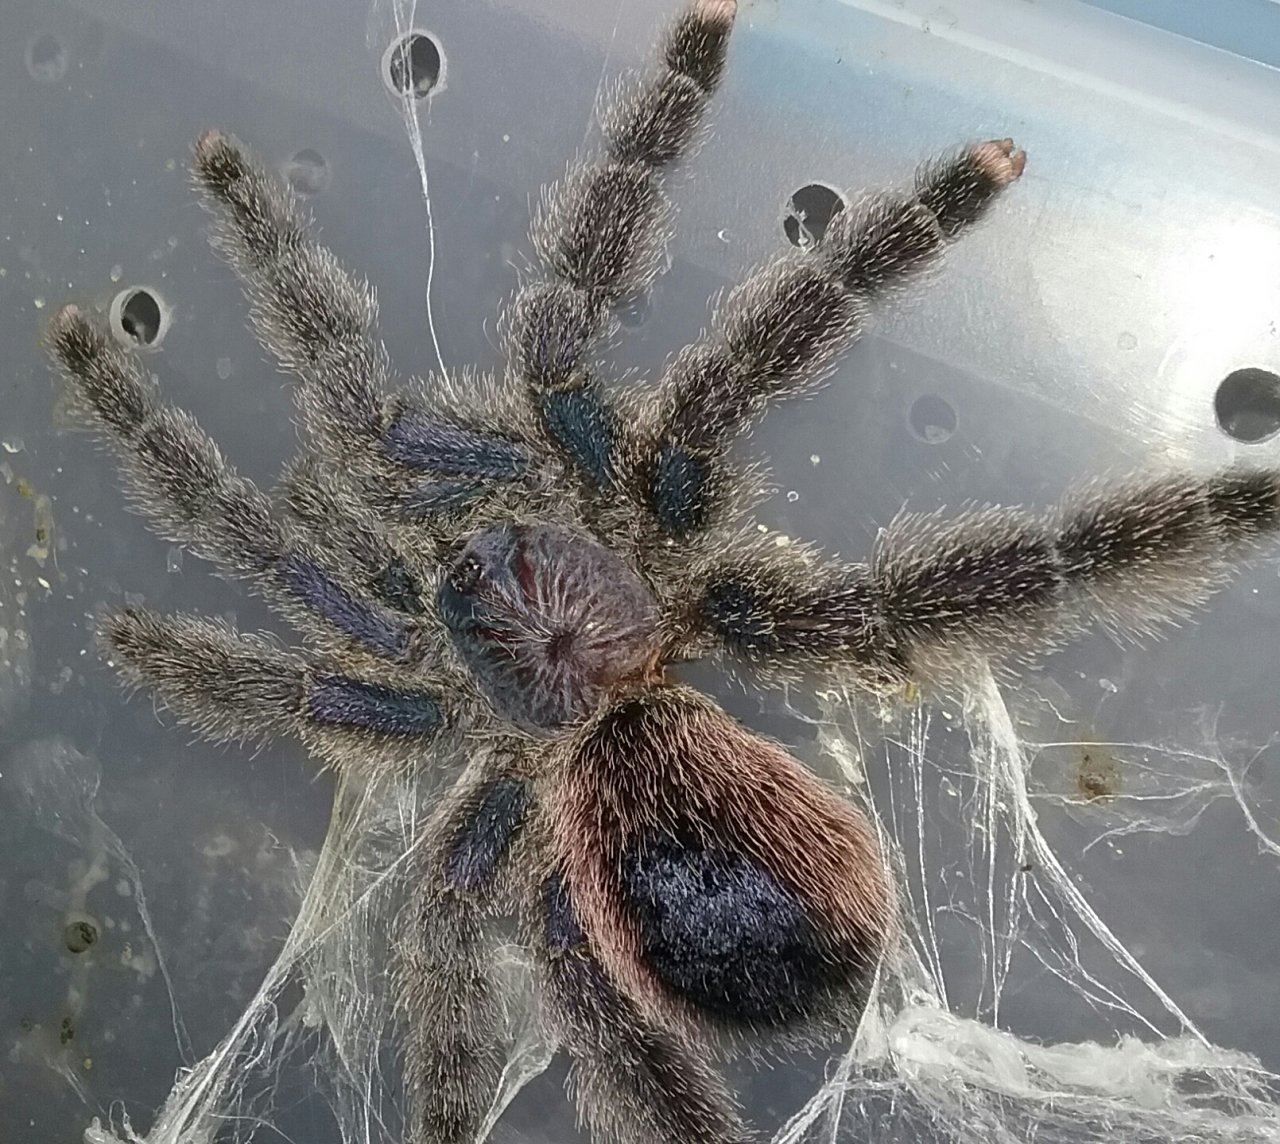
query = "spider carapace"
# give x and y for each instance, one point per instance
(507, 566)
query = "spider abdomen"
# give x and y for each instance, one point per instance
(714, 874)
(547, 621)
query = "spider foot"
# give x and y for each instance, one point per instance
(219, 162)
(73, 339)
(716, 11)
(959, 188)
(999, 160)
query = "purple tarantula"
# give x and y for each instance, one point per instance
(513, 563)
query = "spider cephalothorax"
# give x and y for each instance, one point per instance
(514, 563)
(548, 621)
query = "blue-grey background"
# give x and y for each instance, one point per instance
(1085, 328)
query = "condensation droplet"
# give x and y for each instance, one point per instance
(793, 496)
(1127, 341)
(46, 58)
(12, 444)
(223, 368)
(1107, 685)
(173, 559)
(117, 272)
(814, 459)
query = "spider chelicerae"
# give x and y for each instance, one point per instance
(512, 564)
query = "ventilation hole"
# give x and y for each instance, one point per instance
(413, 65)
(932, 419)
(1247, 404)
(633, 310)
(139, 317)
(809, 213)
(79, 936)
(46, 58)
(307, 172)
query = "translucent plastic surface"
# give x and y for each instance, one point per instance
(1088, 854)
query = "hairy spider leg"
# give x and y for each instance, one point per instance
(349, 538)
(634, 1081)
(232, 686)
(1002, 582)
(455, 1045)
(316, 318)
(180, 480)
(781, 331)
(600, 232)
(319, 321)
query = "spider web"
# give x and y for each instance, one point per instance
(935, 1058)
(933, 1061)
(949, 1049)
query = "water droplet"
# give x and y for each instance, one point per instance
(814, 459)
(793, 496)
(223, 368)
(117, 272)
(173, 559)
(1127, 341)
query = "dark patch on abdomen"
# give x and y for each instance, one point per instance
(724, 934)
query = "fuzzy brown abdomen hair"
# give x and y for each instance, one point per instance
(713, 874)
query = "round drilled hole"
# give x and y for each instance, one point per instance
(46, 58)
(139, 317)
(79, 936)
(633, 311)
(809, 213)
(1247, 404)
(413, 65)
(307, 171)
(932, 419)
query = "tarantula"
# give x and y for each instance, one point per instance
(514, 563)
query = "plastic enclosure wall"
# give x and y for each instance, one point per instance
(1085, 328)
